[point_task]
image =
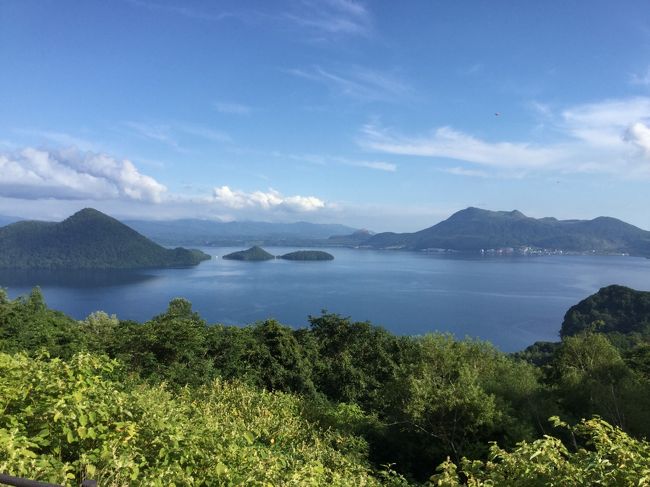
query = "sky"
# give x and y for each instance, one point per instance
(378, 114)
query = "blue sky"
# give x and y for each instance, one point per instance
(386, 115)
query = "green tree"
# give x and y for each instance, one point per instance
(170, 347)
(607, 456)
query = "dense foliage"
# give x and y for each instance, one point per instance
(600, 455)
(347, 398)
(307, 255)
(86, 240)
(65, 421)
(613, 309)
(255, 253)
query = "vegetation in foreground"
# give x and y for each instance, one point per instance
(175, 401)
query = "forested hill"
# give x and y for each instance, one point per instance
(473, 229)
(88, 239)
(613, 309)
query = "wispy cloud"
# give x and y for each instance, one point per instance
(202, 132)
(376, 165)
(332, 16)
(448, 143)
(357, 82)
(170, 133)
(462, 171)
(326, 159)
(181, 9)
(232, 108)
(328, 17)
(59, 138)
(641, 79)
(611, 137)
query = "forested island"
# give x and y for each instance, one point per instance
(89, 239)
(307, 255)
(255, 253)
(175, 400)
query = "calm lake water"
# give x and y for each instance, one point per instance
(511, 301)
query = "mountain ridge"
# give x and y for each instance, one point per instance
(475, 229)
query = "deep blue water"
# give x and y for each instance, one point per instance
(511, 301)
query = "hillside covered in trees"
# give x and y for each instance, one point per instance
(339, 402)
(89, 239)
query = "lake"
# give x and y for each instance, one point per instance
(510, 301)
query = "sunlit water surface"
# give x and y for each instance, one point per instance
(511, 301)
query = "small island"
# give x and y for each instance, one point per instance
(307, 255)
(255, 253)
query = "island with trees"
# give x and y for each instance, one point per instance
(253, 254)
(307, 255)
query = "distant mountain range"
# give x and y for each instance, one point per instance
(209, 232)
(474, 229)
(88, 239)
(469, 230)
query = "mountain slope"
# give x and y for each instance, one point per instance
(473, 229)
(88, 239)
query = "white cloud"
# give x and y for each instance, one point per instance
(72, 174)
(604, 123)
(611, 136)
(270, 200)
(232, 108)
(639, 134)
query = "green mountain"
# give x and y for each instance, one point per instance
(474, 229)
(255, 253)
(88, 239)
(307, 255)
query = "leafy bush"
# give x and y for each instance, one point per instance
(608, 456)
(65, 421)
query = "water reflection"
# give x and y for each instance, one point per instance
(80, 278)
